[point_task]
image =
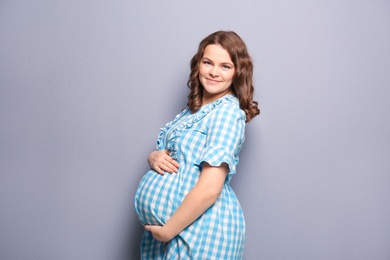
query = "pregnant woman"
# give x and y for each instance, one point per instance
(185, 201)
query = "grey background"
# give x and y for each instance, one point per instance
(85, 86)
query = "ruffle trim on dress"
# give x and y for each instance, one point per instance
(161, 136)
(215, 156)
(176, 133)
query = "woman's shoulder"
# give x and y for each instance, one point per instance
(230, 100)
(229, 106)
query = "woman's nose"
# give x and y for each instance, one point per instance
(214, 72)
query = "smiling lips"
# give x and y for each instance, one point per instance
(213, 81)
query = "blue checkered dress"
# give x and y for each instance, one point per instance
(214, 134)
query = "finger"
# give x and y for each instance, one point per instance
(167, 167)
(159, 170)
(172, 168)
(175, 163)
(152, 228)
(148, 227)
(171, 164)
(172, 161)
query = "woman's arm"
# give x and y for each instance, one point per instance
(197, 201)
(161, 162)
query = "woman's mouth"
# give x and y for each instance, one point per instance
(213, 81)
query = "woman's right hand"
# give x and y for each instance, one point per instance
(162, 162)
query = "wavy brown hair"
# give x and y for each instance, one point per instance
(242, 86)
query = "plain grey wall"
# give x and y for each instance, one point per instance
(85, 86)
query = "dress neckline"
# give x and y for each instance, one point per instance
(217, 101)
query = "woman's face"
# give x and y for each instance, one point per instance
(216, 72)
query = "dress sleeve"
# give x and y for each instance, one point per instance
(225, 137)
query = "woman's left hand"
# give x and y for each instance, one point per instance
(158, 233)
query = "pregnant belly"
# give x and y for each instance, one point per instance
(157, 197)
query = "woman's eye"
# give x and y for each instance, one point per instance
(206, 62)
(226, 67)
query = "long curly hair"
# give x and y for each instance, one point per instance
(242, 86)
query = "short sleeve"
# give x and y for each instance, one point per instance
(225, 137)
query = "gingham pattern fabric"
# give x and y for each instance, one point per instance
(214, 134)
